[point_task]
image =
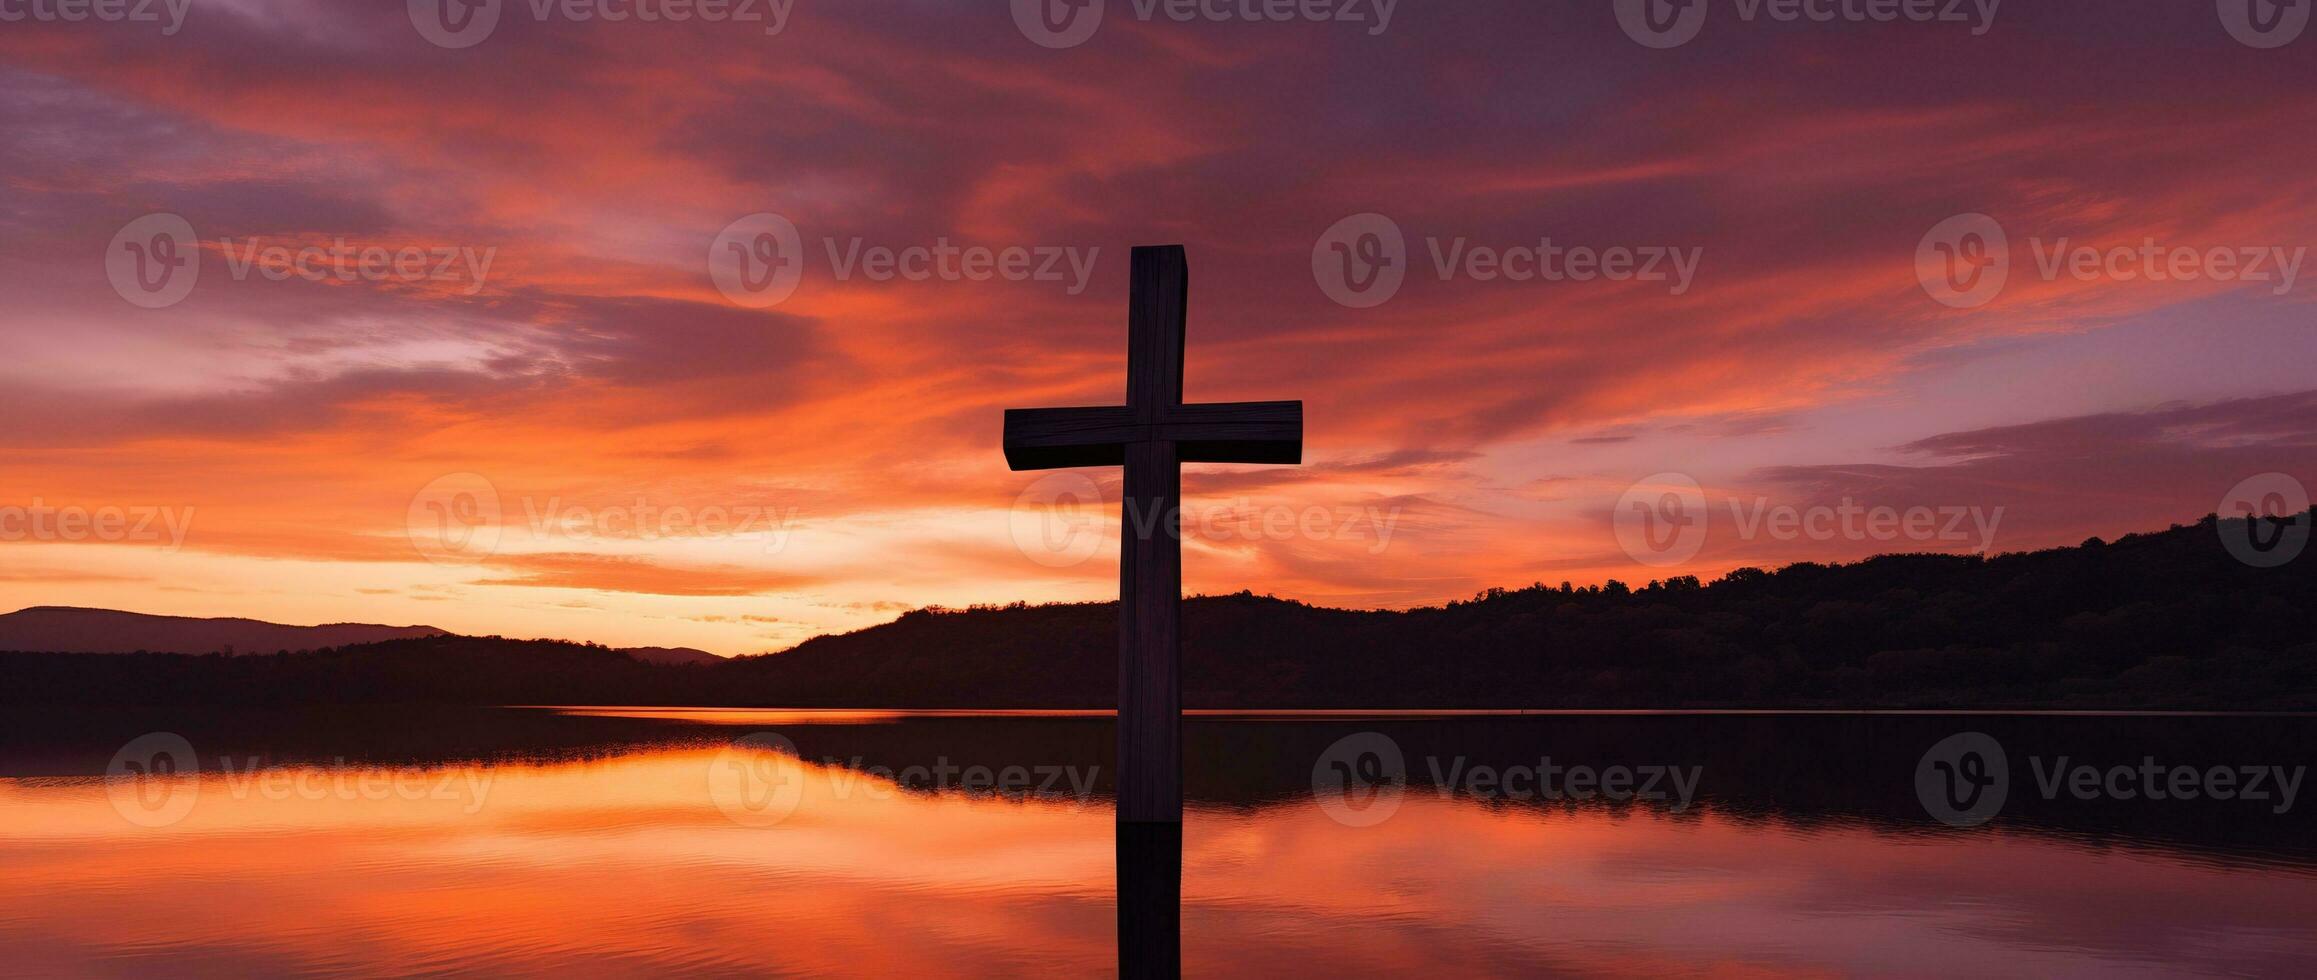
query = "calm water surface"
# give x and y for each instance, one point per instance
(642, 841)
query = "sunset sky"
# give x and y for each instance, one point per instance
(1465, 433)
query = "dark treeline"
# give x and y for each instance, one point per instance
(2161, 620)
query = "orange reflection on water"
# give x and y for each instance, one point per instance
(647, 862)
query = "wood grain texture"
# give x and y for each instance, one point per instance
(1224, 432)
(1150, 590)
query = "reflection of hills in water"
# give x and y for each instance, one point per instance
(1802, 770)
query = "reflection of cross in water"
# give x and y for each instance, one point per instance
(1152, 435)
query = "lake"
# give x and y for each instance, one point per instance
(643, 841)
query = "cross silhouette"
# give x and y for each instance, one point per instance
(1152, 435)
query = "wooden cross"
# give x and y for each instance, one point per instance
(1152, 435)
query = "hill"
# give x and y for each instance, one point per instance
(2161, 620)
(66, 629)
(672, 655)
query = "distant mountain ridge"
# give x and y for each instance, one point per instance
(72, 629)
(2168, 620)
(672, 655)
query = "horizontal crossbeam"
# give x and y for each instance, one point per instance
(1220, 432)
